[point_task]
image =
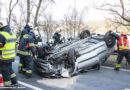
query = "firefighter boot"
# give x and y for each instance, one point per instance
(117, 67)
(20, 68)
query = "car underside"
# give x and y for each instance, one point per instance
(75, 56)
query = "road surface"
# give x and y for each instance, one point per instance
(104, 79)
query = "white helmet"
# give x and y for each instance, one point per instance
(2, 22)
(39, 43)
(36, 28)
(51, 42)
(36, 33)
(58, 30)
(30, 25)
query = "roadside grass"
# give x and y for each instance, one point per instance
(111, 61)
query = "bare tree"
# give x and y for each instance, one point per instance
(11, 7)
(0, 9)
(36, 14)
(73, 21)
(121, 11)
(28, 12)
(48, 27)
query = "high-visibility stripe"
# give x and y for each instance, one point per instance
(123, 43)
(118, 65)
(10, 40)
(20, 64)
(10, 49)
(25, 36)
(35, 45)
(31, 44)
(1, 58)
(23, 52)
(6, 83)
(13, 75)
(9, 53)
(24, 69)
(29, 71)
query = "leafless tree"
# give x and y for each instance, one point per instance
(73, 21)
(36, 14)
(0, 9)
(28, 12)
(120, 10)
(11, 7)
(48, 27)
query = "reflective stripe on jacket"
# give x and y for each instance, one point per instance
(8, 51)
(122, 43)
(23, 52)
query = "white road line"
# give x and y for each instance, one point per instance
(126, 70)
(30, 86)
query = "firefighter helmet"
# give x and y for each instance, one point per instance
(125, 32)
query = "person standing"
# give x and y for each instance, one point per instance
(123, 48)
(26, 47)
(7, 55)
(57, 37)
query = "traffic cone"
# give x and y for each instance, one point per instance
(1, 81)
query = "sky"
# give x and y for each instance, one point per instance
(60, 7)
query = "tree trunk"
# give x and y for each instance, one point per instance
(28, 12)
(10, 10)
(36, 15)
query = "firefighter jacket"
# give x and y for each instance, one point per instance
(38, 39)
(26, 45)
(56, 38)
(7, 44)
(122, 42)
(26, 30)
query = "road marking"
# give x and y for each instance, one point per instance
(30, 86)
(126, 70)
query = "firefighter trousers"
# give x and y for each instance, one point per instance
(123, 53)
(27, 64)
(9, 77)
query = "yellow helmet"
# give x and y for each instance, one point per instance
(125, 32)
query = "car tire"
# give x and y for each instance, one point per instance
(71, 56)
(72, 60)
(110, 40)
(85, 34)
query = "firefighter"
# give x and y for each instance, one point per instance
(38, 38)
(26, 30)
(57, 37)
(37, 41)
(51, 43)
(7, 54)
(25, 47)
(123, 48)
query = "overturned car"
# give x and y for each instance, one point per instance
(72, 57)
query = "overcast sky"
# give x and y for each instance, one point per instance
(61, 7)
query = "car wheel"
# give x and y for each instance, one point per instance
(110, 40)
(85, 34)
(72, 60)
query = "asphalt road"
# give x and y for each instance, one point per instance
(104, 79)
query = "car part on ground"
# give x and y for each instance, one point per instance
(74, 56)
